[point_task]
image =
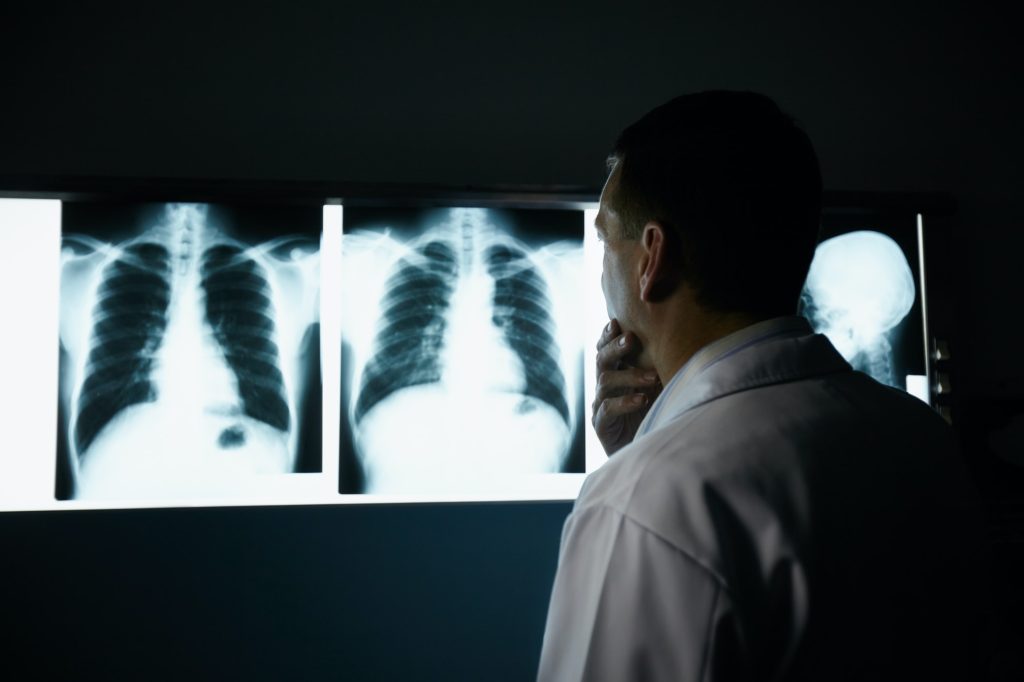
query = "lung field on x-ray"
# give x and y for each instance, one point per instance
(859, 292)
(130, 317)
(240, 309)
(461, 357)
(407, 350)
(521, 306)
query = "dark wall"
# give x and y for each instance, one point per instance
(911, 96)
(897, 96)
(433, 592)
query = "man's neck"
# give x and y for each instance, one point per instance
(690, 333)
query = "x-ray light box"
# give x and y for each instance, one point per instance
(197, 354)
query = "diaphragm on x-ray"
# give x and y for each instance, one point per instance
(189, 348)
(461, 348)
(860, 293)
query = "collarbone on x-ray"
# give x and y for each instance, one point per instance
(185, 353)
(461, 374)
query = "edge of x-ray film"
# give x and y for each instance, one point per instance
(924, 393)
(596, 318)
(540, 487)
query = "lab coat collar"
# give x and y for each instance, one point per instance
(775, 351)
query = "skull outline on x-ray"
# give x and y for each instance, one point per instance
(858, 289)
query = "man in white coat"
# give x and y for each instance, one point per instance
(770, 514)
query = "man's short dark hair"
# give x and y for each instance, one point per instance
(737, 184)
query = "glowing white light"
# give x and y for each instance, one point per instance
(596, 318)
(859, 287)
(917, 386)
(330, 344)
(29, 275)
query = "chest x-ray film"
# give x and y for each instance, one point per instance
(864, 291)
(189, 349)
(461, 349)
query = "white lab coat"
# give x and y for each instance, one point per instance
(784, 518)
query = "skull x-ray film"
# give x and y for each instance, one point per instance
(863, 291)
(462, 349)
(189, 348)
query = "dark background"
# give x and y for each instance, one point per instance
(910, 96)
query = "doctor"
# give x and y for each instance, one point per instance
(770, 514)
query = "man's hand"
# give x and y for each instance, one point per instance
(624, 392)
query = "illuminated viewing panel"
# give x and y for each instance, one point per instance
(461, 349)
(193, 354)
(190, 354)
(29, 290)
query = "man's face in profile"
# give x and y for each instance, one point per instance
(618, 265)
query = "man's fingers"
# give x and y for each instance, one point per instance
(612, 383)
(613, 408)
(610, 331)
(615, 351)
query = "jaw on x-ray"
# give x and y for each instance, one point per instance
(858, 289)
(466, 378)
(185, 356)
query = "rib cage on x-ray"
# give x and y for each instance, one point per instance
(521, 307)
(130, 318)
(129, 321)
(185, 353)
(466, 380)
(408, 345)
(239, 308)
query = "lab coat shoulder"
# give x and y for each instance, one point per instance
(692, 531)
(728, 511)
(628, 603)
(652, 484)
(750, 460)
(631, 606)
(733, 469)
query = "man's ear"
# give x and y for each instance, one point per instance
(655, 263)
